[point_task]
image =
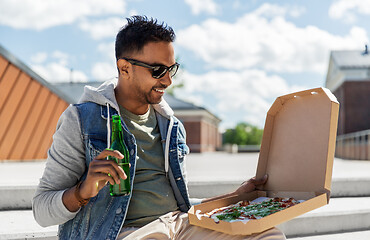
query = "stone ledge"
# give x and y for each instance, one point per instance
(341, 215)
(20, 197)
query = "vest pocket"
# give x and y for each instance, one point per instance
(94, 147)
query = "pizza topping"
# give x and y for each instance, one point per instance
(248, 210)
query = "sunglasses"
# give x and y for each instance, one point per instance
(158, 71)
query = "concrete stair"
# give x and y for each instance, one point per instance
(346, 217)
(20, 224)
(340, 215)
(356, 235)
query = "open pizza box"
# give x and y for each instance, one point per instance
(297, 153)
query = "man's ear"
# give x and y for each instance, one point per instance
(124, 68)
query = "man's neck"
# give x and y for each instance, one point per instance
(131, 105)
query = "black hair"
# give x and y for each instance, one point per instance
(139, 31)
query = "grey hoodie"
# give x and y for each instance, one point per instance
(66, 157)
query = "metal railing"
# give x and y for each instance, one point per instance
(354, 145)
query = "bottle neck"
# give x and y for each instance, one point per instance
(116, 135)
(116, 126)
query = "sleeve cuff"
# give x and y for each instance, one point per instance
(62, 209)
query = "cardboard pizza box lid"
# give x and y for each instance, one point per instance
(298, 143)
(297, 153)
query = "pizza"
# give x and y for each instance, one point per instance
(249, 210)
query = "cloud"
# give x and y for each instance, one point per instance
(206, 6)
(265, 40)
(106, 68)
(347, 10)
(235, 95)
(103, 71)
(41, 14)
(53, 67)
(39, 57)
(270, 11)
(133, 12)
(106, 28)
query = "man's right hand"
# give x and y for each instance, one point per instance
(100, 172)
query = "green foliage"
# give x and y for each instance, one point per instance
(177, 81)
(243, 134)
(171, 89)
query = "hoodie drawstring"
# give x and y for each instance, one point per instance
(167, 147)
(108, 126)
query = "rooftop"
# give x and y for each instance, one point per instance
(74, 91)
(23, 67)
(351, 58)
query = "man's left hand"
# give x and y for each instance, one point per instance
(250, 185)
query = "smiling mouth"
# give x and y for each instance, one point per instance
(159, 90)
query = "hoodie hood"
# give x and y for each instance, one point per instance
(104, 95)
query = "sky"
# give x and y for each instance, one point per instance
(236, 56)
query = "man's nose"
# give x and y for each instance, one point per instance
(166, 79)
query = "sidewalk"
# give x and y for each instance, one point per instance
(242, 166)
(205, 167)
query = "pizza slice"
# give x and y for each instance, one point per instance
(249, 210)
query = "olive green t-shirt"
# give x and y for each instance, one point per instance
(152, 195)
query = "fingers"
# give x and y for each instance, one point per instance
(109, 152)
(114, 153)
(108, 168)
(260, 181)
(106, 178)
(122, 173)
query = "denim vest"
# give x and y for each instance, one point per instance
(104, 215)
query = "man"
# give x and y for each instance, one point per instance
(74, 191)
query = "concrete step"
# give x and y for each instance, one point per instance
(340, 215)
(206, 177)
(16, 197)
(20, 197)
(358, 235)
(341, 187)
(350, 215)
(351, 187)
(20, 224)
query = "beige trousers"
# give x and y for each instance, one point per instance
(175, 225)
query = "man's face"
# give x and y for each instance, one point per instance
(144, 89)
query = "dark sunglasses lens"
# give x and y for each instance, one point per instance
(159, 72)
(173, 70)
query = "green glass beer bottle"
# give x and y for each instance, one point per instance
(123, 188)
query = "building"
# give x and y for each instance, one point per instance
(202, 126)
(29, 110)
(348, 78)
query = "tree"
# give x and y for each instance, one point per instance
(171, 89)
(243, 134)
(177, 81)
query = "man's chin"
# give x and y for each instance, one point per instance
(155, 101)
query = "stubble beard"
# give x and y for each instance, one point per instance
(148, 97)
